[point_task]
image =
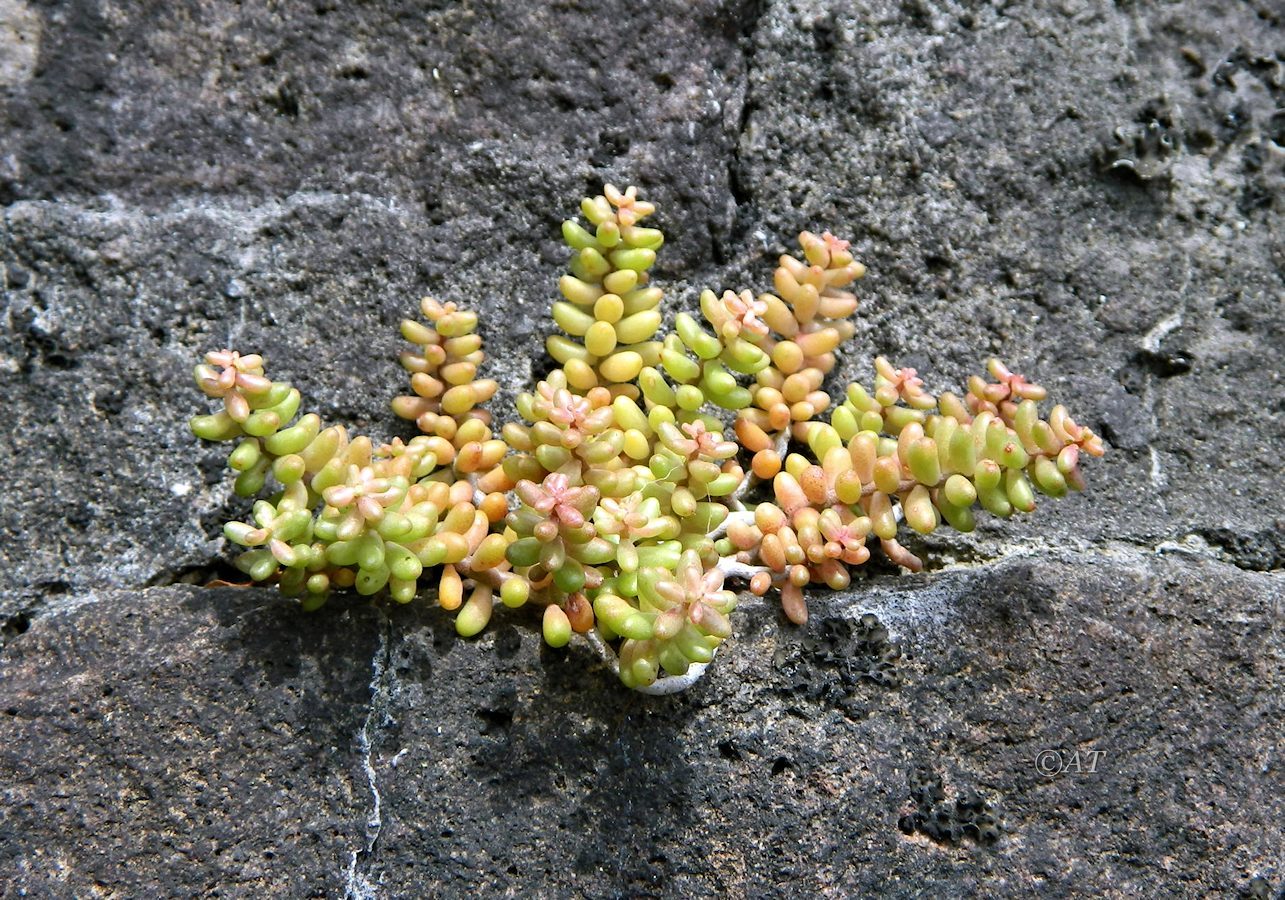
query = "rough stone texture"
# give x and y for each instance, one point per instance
(1092, 191)
(193, 741)
(209, 739)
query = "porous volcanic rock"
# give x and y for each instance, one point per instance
(1093, 193)
(1117, 714)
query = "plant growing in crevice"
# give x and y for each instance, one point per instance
(618, 506)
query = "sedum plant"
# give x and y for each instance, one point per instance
(619, 506)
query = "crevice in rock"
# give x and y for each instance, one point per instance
(14, 625)
(1261, 552)
(745, 40)
(201, 574)
(356, 885)
(1255, 551)
(16, 620)
(737, 178)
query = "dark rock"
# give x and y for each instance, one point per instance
(184, 740)
(1259, 551)
(1129, 734)
(292, 177)
(1126, 422)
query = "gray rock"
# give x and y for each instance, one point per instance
(1126, 422)
(292, 178)
(185, 741)
(1118, 715)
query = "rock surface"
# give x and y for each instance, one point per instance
(1092, 192)
(1118, 713)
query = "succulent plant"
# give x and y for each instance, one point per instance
(617, 506)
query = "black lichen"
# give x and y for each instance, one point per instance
(837, 657)
(969, 816)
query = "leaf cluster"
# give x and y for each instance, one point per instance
(617, 506)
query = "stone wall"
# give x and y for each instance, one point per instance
(1092, 191)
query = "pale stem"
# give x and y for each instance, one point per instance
(478, 496)
(670, 684)
(604, 651)
(733, 568)
(673, 684)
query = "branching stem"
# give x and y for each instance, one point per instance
(745, 516)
